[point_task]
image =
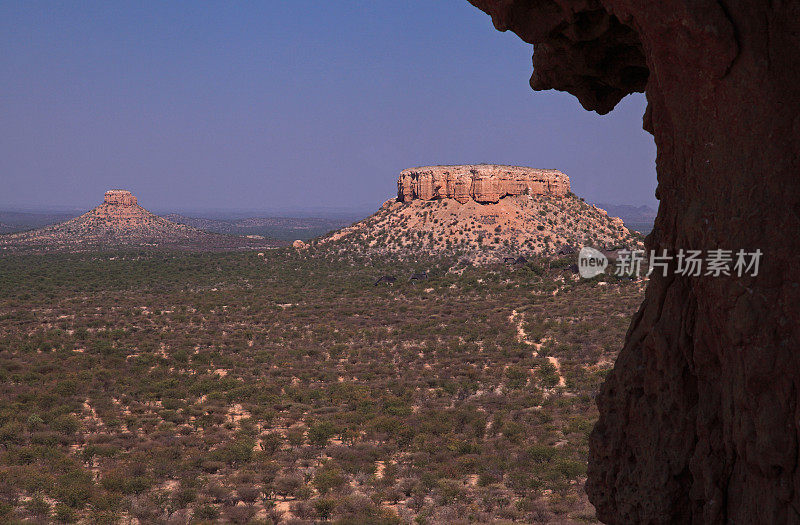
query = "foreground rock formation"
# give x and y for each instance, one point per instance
(481, 182)
(119, 221)
(699, 420)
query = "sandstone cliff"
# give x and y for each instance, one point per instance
(481, 182)
(121, 197)
(699, 418)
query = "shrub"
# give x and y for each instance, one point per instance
(449, 491)
(240, 513)
(66, 424)
(122, 481)
(74, 489)
(320, 433)
(286, 485)
(206, 512)
(327, 479)
(236, 452)
(549, 374)
(35, 421)
(64, 514)
(540, 453)
(38, 507)
(248, 493)
(270, 442)
(324, 507)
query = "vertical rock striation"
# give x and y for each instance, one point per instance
(119, 197)
(485, 183)
(699, 418)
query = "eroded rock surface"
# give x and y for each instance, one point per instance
(480, 182)
(699, 418)
(120, 197)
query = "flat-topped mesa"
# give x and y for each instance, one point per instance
(120, 197)
(481, 182)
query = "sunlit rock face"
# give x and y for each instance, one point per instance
(120, 197)
(120, 209)
(699, 420)
(480, 182)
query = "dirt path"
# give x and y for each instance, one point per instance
(518, 320)
(554, 361)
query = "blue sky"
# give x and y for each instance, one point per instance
(281, 106)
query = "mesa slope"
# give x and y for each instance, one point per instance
(119, 222)
(503, 216)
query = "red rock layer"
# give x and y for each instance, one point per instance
(121, 197)
(483, 182)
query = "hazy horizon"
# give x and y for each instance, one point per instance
(320, 211)
(285, 108)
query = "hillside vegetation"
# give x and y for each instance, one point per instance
(516, 225)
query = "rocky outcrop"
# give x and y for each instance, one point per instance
(481, 182)
(120, 212)
(700, 418)
(119, 197)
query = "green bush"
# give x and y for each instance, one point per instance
(66, 424)
(206, 512)
(328, 478)
(65, 514)
(74, 489)
(320, 433)
(324, 507)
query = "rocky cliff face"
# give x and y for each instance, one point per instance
(699, 419)
(483, 183)
(119, 197)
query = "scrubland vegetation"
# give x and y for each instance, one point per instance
(529, 225)
(287, 388)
